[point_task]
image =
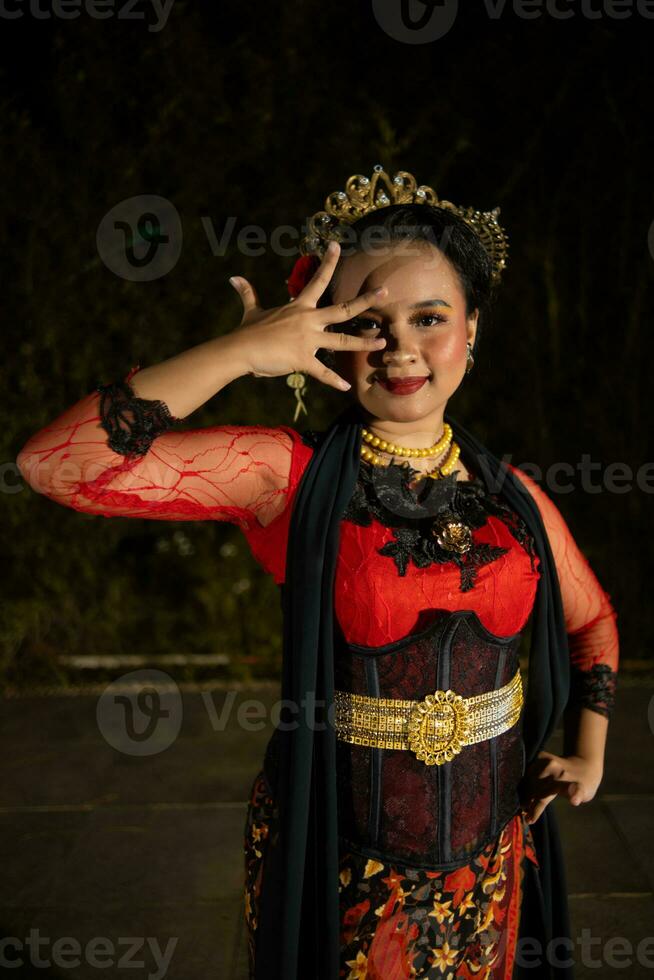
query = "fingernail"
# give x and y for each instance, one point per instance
(344, 385)
(380, 289)
(234, 281)
(331, 248)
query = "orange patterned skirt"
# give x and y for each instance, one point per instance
(399, 922)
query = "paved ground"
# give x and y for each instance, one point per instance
(96, 842)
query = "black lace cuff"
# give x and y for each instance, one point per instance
(594, 688)
(131, 422)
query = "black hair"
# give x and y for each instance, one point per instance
(437, 226)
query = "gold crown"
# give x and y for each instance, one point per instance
(365, 194)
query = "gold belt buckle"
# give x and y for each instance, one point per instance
(438, 727)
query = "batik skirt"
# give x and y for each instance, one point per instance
(398, 922)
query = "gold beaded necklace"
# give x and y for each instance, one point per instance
(451, 533)
(438, 449)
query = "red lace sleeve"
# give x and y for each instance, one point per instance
(117, 456)
(589, 616)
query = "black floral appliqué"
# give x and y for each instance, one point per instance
(385, 493)
(411, 514)
(594, 688)
(132, 423)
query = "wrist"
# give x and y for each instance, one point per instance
(232, 354)
(594, 763)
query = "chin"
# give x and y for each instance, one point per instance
(398, 413)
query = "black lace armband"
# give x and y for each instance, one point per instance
(594, 688)
(131, 422)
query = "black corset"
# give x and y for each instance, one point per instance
(391, 805)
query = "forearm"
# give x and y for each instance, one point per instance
(585, 733)
(187, 380)
(74, 447)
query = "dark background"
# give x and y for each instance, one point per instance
(258, 111)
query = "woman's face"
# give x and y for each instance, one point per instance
(423, 318)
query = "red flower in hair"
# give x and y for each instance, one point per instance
(302, 272)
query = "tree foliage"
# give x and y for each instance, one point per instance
(255, 114)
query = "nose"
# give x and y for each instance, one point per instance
(397, 351)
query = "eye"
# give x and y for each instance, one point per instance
(364, 324)
(434, 317)
(361, 323)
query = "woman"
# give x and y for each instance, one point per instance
(389, 832)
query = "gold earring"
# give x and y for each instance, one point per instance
(470, 359)
(298, 381)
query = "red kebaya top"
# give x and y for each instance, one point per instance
(249, 474)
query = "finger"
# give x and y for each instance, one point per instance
(535, 811)
(549, 759)
(326, 375)
(540, 770)
(331, 340)
(247, 293)
(352, 307)
(546, 762)
(322, 276)
(548, 789)
(576, 793)
(538, 803)
(551, 768)
(545, 787)
(556, 763)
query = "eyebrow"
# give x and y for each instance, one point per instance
(424, 302)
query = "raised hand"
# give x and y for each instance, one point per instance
(284, 339)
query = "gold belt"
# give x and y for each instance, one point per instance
(436, 729)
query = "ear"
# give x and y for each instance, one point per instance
(471, 326)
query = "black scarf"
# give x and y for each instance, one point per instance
(297, 935)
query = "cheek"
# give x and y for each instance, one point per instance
(448, 347)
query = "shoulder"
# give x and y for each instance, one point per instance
(302, 445)
(556, 527)
(544, 502)
(268, 437)
(524, 478)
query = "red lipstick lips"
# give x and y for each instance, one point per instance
(402, 386)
